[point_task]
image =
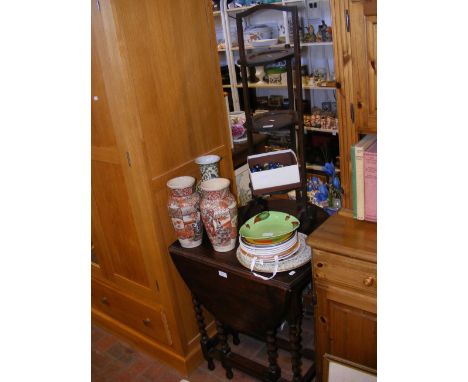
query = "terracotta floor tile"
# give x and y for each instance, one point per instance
(122, 353)
(98, 359)
(140, 378)
(105, 343)
(240, 376)
(137, 367)
(96, 334)
(155, 370)
(109, 372)
(218, 372)
(115, 361)
(167, 375)
(200, 375)
(248, 346)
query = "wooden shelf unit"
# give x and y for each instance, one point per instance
(280, 86)
(285, 2)
(303, 44)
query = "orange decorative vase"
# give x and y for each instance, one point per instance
(184, 211)
(219, 213)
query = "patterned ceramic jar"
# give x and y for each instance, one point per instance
(209, 166)
(184, 211)
(219, 213)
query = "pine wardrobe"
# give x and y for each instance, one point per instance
(155, 106)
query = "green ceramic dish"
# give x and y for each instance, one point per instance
(268, 225)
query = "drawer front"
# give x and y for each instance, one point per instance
(342, 270)
(150, 321)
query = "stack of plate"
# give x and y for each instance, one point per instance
(270, 237)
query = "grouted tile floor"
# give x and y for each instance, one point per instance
(114, 360)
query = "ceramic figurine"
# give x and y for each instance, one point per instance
(184, 210)
(275, 79)
(260, 73)
(209, 167)
(237, 121)
(318, 37)
(323, 32)
(310, 35)
(219, 214)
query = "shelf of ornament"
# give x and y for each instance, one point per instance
(317, 167)
(303, 44)
(279, 86)
(228, 15)
(286, 2)
(330, 131)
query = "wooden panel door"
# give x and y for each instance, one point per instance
(345, 326)
(353, 334)
(116, 244)
(363, 29)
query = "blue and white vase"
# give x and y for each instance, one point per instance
(209, 168)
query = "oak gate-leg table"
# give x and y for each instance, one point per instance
(241, 302)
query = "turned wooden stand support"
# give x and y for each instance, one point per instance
(295, 340)
(204, 339)
(218, 347)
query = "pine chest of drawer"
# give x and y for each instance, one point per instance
(344, 271)
(150, 321)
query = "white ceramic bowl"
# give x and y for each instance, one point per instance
(265, 42)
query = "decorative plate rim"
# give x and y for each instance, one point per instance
(245, 226)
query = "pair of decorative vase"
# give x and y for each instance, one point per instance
(216, 207)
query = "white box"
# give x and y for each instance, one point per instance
(279, 179)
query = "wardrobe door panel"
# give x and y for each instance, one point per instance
(117, 222)
(171, 52)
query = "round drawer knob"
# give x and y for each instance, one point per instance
(104, 300)
(369, 281)
(146, 322)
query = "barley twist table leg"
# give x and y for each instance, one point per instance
(225, 349)
(203, 333)
(273, 369)
(295, 341)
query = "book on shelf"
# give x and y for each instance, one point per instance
(357, 164)
(370, 183)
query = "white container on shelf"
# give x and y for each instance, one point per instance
(278, 179)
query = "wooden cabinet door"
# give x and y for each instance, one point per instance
(117, 246)
(363, 30)
(345, 326)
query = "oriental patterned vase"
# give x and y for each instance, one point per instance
(219, 214)
(184, 211)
